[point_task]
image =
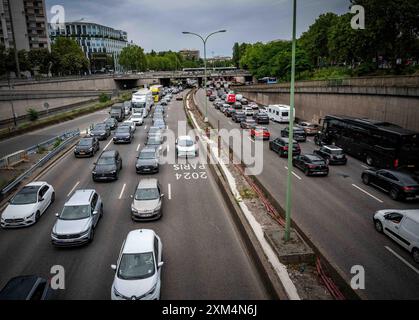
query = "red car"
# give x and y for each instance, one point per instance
(257, 132)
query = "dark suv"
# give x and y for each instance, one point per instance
(123, 135)
(147, 161)
(112, 123)
(100, 131)
(299, 134)
(280, 146)
(107, 166)
(86, 147)
(332, 154)
(262, 118)
(239, 116)
(311, 164)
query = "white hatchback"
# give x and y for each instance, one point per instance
(137, 119)
(186, 147)
(27, 206)
(138, 270)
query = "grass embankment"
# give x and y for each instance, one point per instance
(58, 118)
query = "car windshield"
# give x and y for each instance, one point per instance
(100, 127)
(27, 195)
(123, 130)
(153, 142)
(85, 142)
(147, 155)
(136, 266)
(336, 152)
(319, 162)
(106, 161)
(75, 212)
(186, 143)
(147, 194)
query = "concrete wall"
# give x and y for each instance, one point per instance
(394, 99)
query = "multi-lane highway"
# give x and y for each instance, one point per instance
(203, 252)
(336, 213)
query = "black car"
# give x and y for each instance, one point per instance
(399, 184)
(112, 123)
(247, 123)
(261, 118)
(332, 154)
(123, 134)
(26, 288)
(280, 146)
(100, 131)
(107, 166)
(299, 134)
(147, 161)
(86, 147)
(229, 112)
(212, 97)
(239, 116)
(244, 102)
(311, 164)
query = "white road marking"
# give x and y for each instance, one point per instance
(309, 140)
(250, 139)
(74, 188)
(122, 191)
(168, 148)
(402, 259)
(138, 148)
(169, 191)
(107, 145)
(367, 193)
(145, 127)
(294, 174)
(230, 123)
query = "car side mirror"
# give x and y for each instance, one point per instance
(113, 267)
(95, 212)
(160, 264)
(162, 195)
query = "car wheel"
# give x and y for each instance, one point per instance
(415, 254)
(378, 226)
(369, 160)
(366, 179)
(53, 197)
(37, 216)
(394, 194)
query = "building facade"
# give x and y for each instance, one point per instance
(191, 54)
(101, 44)
(26, 21)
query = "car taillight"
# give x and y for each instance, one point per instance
(396, 163)
(285, 148)
(409, 188)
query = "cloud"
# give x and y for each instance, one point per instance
(158, 24)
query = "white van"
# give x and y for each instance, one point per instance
(402, 226)
(279, 112)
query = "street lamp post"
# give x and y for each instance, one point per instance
(205, 64)
(291, 128)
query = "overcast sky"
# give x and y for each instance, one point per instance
(158, 24)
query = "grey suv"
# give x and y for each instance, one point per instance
(77, 221)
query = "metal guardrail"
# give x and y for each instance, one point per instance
(68, 138)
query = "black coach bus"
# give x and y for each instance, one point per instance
(379, 144)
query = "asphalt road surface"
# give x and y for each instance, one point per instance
(336, 213)
(203, 252)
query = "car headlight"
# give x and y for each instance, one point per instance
(30, 217)
(94, 172)
(150, 292)
(85, 233)
(113, 172)
(133, 209)
(119, 294)
(90, 149)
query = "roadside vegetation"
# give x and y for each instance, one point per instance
(330, 48)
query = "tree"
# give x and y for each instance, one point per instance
(236, 55)
(133, 58)
(39, 60)
(68, 57)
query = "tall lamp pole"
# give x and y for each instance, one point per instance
(291, 127)
(204, 40)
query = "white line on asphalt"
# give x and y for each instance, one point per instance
(367, 193)
(139, 145)
(122, 191)
(250, 139)
(309, 140)
(168, 148)
(169, 191)
(107, 145)
(295, 175)
(145, 127)
(403, 260)
(75, 186)
(230, 123)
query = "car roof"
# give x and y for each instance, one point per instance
(80, 197)
(287, 140)
(108, 153)
(139, 241)
(404, 176)
(313, 157)
(332, 147)
(148, 149)
(147, 183)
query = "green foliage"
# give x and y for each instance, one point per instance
(104, 97)
(33, 114)
(39, 60)
(57, 142)
(133, 58)
(67, 57)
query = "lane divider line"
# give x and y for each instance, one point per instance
(367, 193)
(74, 188)
(122, 191)
(402, 259)
(106, 147)
(145, 127)
(138, 148)
(294, 174)
(169, 191)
